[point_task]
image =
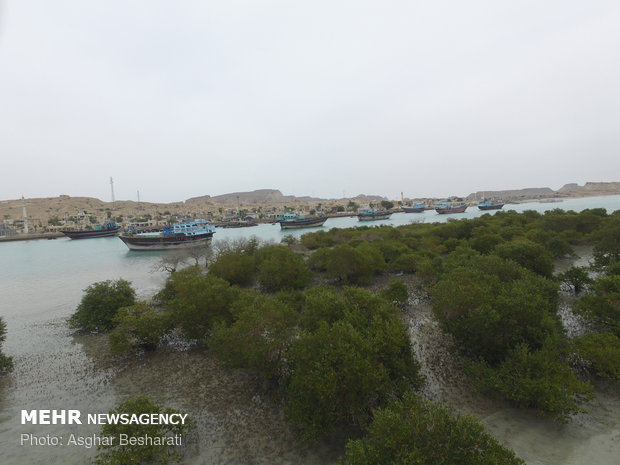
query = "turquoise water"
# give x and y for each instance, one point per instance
(41, 283)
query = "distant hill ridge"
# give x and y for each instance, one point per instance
(269, 196)
(568, 190)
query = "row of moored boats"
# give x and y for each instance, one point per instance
(199, 232)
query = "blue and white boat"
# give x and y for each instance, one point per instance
(490, 205)
(415, 208)
(368, 214)
(181, 235)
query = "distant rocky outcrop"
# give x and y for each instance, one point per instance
(567, 188)
(597, 188)
(589, 189)
(269, 196)
(516, 194)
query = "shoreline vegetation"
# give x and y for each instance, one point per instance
(332, 326)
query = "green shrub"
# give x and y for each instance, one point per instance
(340, 372)
(115, 453)
(577, 278)
(279, 268)
(258, 338)
(539, 379)
(489, 315)
(392, 249)
(100, 303)
(528, 254)
(601, 305)
(607, 242)
(413, 431)
(197, 301)
(321, 305)
(396, 292)
(6, 363)
(603, 351)
(138, 326)
(356, 265)
(235, 266)
(485, 243)
(405, 263)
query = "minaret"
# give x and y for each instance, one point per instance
(112, 188)
(25, 215)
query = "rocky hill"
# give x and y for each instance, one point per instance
(589, 189)
(270, 197)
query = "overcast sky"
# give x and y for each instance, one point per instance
(177, 99)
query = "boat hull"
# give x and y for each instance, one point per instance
(459, 209)
(303, 223)
(378, 216)
(91, 234)
(414, 209)
(497, 206)
(171, 242)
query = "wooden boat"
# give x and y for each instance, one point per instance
(108, 229)
(237, 224)
(490, 205)
(368, 214)
(448, 207)
(415, 208)
(181, 235)
(294, 221)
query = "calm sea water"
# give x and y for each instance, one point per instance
(41, 283)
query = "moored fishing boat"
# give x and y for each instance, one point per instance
(293, 221)
(181, 235)
(448, 207)
(490, 205)
(368, 214)
(415, 208)
(108, 229)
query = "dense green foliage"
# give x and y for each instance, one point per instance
(396, 292)
(414, 432)
(117, 454)
(490, 306)
(607, 241)
(349, 264)
(340, 358)
(342, 370)
(528, 254)
(535, 378)
(603, 351)
(258, 338)
(601, 306)
(6, 363)
(279, 269)
(100, 303)
(577, 278)
(197, 301)
(235, 266)
(138, 326)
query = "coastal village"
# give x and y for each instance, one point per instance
(33, 217)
